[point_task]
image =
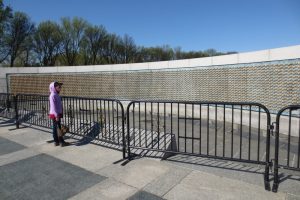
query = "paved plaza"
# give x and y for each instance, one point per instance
(32, 168)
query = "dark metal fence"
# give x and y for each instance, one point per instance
(228, 131)
(7, 106)
(100, 119)
(287, 141)
(221, 130)
(33, 110)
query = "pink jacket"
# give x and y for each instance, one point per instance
(56, 108)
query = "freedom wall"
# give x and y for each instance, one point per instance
(270, 77)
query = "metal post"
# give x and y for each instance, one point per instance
(16, 110)
(123, 128)
(267, 167)
(128, 131)
(276, 178)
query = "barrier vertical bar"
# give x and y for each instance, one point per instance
(17, 112)
(128, 130)
(207, 138)
(298, 141)
(276, 178)
(216, 128)
(258, 139)
(224, 112)
(232, 120)
(192, 128)
(289, 138)
(249, 144)
(241, 132)
(200, 129)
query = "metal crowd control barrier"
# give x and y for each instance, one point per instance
(100, 119)
(287, 146)
(7, 106)
(33, 110)
(221, 130)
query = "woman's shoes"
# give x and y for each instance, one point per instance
(64, 144)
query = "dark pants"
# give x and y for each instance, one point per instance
(56, 124)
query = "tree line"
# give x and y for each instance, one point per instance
(74, 41)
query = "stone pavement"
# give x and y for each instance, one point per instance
(31, 168)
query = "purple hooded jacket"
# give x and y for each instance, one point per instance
(56, 109)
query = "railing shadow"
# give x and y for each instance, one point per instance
(7, 122)
(221, 164)
(25, 118)
(284, 176)
(91, 134)
(151, 142)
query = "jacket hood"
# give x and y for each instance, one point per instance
(52, 88)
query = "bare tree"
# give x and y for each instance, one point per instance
(93, 44)
(72, 32)
(19, 29)
(5, 15)
(113, 49)
(129, 49)
(48, 42)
